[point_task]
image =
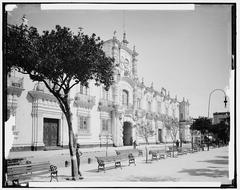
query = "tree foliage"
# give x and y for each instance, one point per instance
(201, 124)
(145, 130)
(58, 56)
(172, 126)
(61, 60)
(221, 131)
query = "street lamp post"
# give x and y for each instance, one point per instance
(108, 137)
(192, 138)
(207, 139)
(100, 139)
(225, 100)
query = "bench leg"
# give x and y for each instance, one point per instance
(54, 176)
(131, 161)
(15, 183)
(101, 167)
(118, 164)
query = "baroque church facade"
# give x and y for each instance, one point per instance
(99, 117)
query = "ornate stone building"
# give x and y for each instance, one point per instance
(99, 116)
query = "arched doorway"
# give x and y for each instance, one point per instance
(127, 134)
(50, 131)
(160, 135)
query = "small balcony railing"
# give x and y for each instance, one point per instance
(15, 85)
(140, 113)
(84, 101)
(128, 109)
(150, 115)
(16, 82)
(105, 105)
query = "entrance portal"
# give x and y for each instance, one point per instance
(50, 132)
(160, 135)
(127, 134)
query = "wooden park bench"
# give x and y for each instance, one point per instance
(20, 173)
(102, 161)
(158, 154)
(17, 161)
(214, 145)
(129, 154)
(195, 148)
(182, 151)
(171, 149)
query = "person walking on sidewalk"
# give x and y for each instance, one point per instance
(177, 144)
(134, 144)
(79, 154)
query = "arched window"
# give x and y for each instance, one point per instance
(149, 106)
(159, 107)
(105, 94)
(84, 90)
(125, 97)
(138, 103)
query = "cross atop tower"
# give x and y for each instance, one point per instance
(24, 20)
(125, 42)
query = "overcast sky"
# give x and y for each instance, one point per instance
(186, 52)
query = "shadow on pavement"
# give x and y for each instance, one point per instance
(216, 161)
(214, 167)
(107, 168)
(151, 179)
(224, 157)
(206, 172)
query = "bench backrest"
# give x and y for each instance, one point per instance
(134, 152)
(15, 161)
(17, 170)
(172, 148)
(106, 159)
(152, 151)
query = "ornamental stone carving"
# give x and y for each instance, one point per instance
(106, 105)
(14, 85)
(84, 101)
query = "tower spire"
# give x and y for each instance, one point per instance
(125, 42)
(24, 21)
(114, 34)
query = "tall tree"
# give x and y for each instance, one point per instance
(61, 60)
(221, 131)
(145, 130)
(202, 124)
(172, 126)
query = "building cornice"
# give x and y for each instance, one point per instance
(38, 95)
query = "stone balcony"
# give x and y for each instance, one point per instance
(140, 113)
(128, 109)
(84, 101)
(150, 115)
(105, 105)
(14, 85)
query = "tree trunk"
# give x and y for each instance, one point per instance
(173, 149)
(146, 153)
(72, 146)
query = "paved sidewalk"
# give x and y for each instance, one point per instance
(204, 166)
(58, 157)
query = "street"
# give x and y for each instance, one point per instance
(204, 166)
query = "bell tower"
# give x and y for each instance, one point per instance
(184, 121)
(184, 110)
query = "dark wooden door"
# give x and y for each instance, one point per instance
(50, 132)
(160, 135)
(127, 134)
